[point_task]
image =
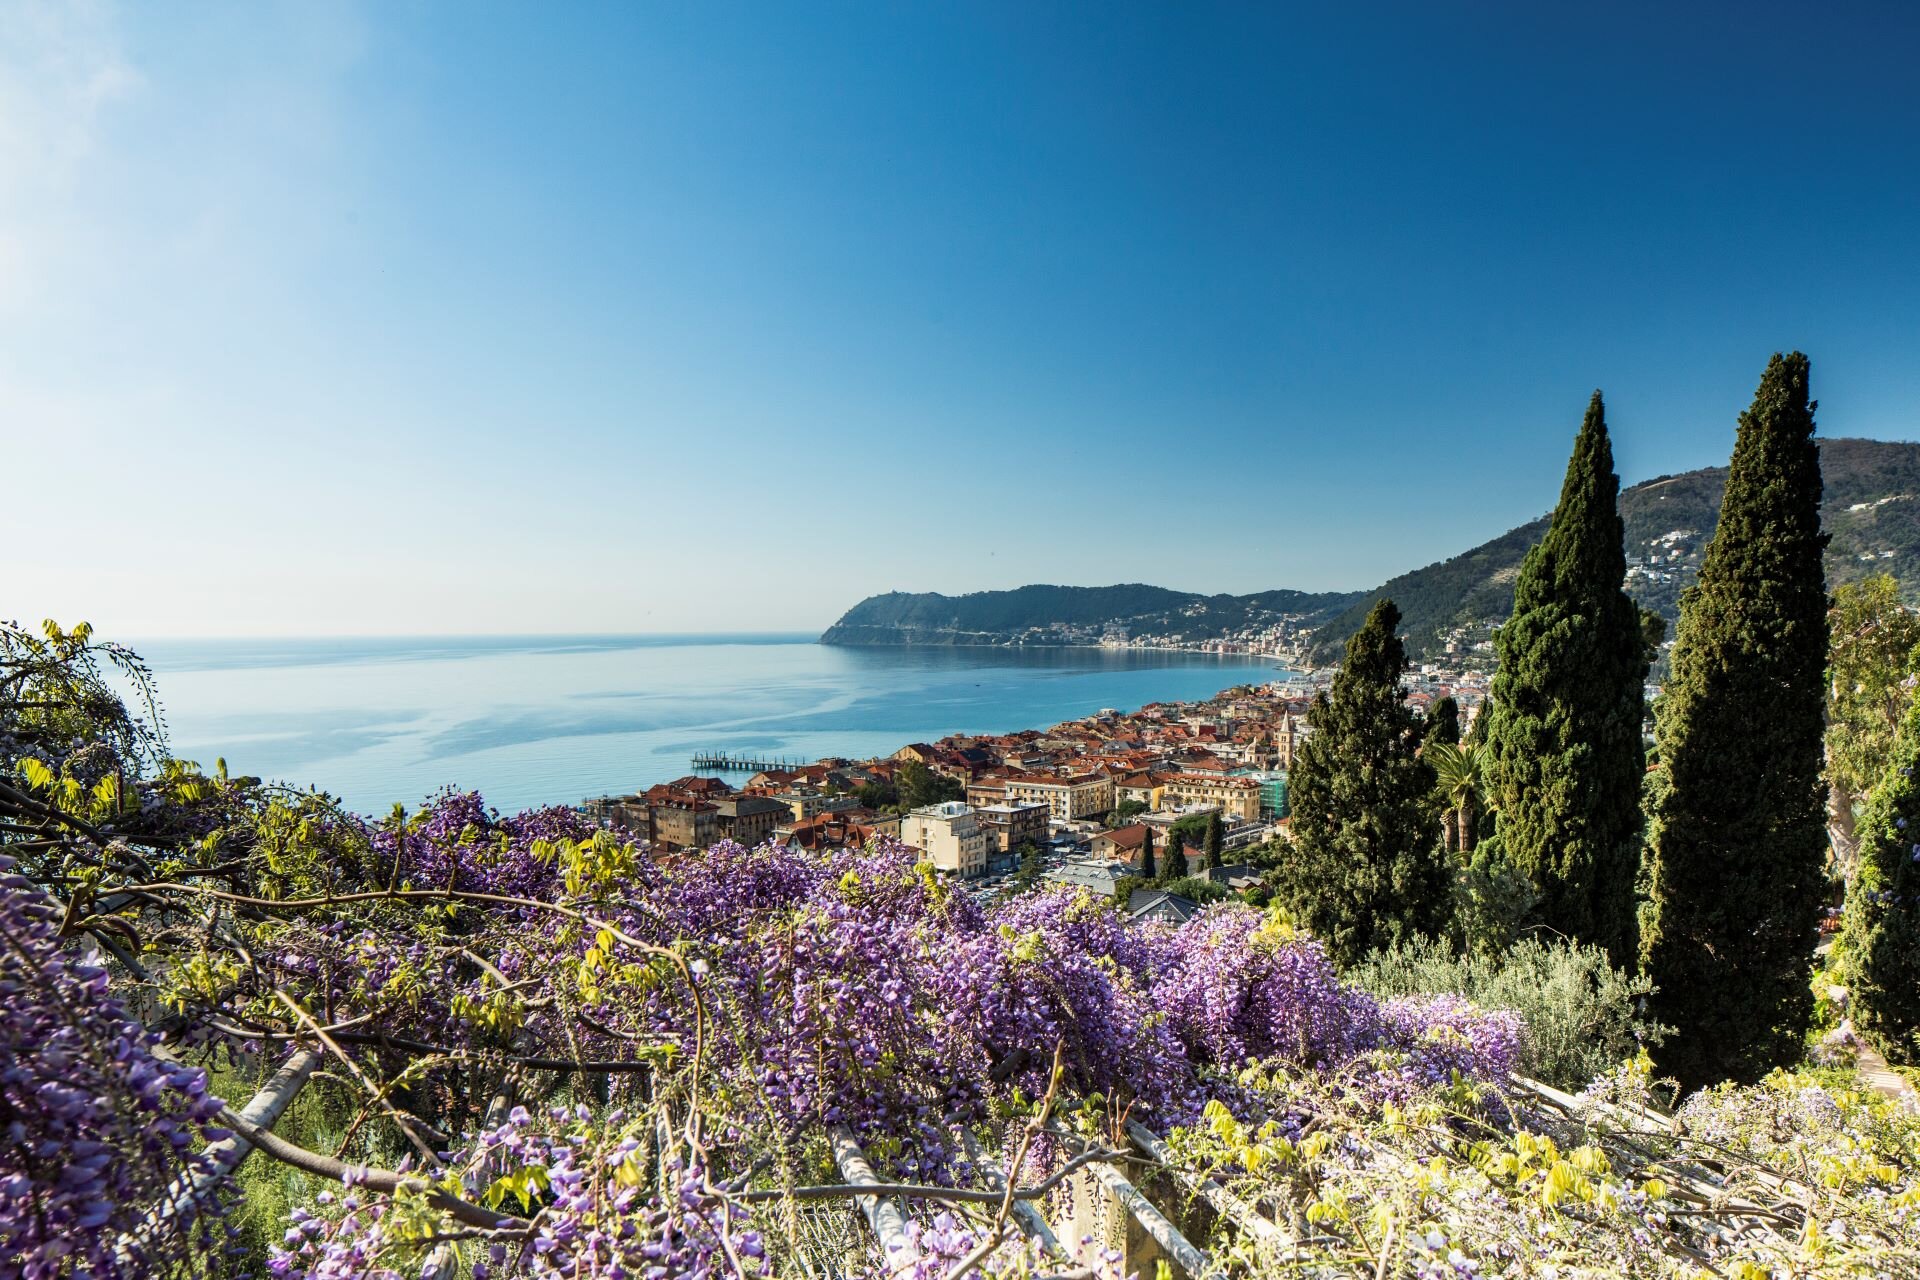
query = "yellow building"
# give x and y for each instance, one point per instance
(1237, 797)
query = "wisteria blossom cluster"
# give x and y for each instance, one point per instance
(94, 1127)
(601, 1214)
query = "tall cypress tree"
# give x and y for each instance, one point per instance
(1565, 761)
(1366, 869)
(1443, 721)
(1738, 832)
(1881, 934)
(1176, 858)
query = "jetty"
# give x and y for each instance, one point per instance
(721, 762)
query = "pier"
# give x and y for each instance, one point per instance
(721, 762)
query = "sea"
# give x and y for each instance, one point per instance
(555, 719)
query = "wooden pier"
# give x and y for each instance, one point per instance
(721, 762)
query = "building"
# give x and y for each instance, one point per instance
(802, 805)
(828, 831)
(1273, 794)
(951, 836)
(1097, 878)
(987, 791)
(1234, 797)
(749, 820)
(1067, 799)
(682, 824)
(1013, 825)
(1144, 788)
(1160, 907)
(1122, 844)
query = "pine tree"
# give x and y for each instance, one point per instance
(1443, 721)
(1880, 936)
(1366, 869)
(1737, 838)
(1565, 760)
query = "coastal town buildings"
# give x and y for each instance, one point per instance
(1084, 791)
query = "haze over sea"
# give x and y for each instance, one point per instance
(553, 719)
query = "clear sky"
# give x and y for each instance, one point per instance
(457, 318)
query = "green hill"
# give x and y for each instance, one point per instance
(1070, 615)
(1872, 509)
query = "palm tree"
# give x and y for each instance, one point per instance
(1458, 768)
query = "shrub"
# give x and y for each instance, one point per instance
(1583, 1017)
(1197, 889)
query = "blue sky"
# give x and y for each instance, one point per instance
(459, 318)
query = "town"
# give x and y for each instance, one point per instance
(1187, 790)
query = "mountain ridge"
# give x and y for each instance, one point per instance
(1871, 509)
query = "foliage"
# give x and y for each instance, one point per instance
(1880, 932)
(1563, 757)
(1582, 1016)
(1033, 865)
(879, 795)
(1198, 890)
(1192, 829)
(1365, 869)
(1173, 859)
(1738, 832)
(1492, 899)
(920, 786)
(1809, 1180)
(1443, 721)
(1458, 771)
(1872, 645)
(1126, 811)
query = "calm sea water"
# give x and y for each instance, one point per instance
(541, 720)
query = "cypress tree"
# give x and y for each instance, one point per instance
(1443, 721)
(1880, 936)
(1176, 856)
(1565, 763)
(1146, 856)
(1738, 828)
(1366, 869)
(1215, 842)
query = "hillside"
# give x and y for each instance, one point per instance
(1071, 615)
(1872, 510)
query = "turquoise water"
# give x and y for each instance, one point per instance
(538, 720)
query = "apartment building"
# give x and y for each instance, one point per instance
(951, 836)
(1013, 825)
(1237, 798)
(1067, 799)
